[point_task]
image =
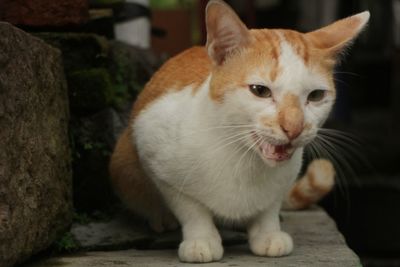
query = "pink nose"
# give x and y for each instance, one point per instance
(292, 132)
(291, 116)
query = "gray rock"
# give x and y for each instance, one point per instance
(125, 231)
(317, 243)
(35, 174)
(119, 233)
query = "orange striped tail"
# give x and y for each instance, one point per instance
(316, 183)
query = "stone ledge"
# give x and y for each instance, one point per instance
(317, 243)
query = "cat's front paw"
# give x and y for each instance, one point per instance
(272, 244)
(200, 250)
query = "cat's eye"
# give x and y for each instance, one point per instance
(260, 90)
(316, 95)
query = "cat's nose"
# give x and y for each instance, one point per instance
(292, 122)
(292, 132)
(291, 116)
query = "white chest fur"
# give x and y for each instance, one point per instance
(180, 143)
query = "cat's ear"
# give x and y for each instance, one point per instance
(225, 31)
(338, 35)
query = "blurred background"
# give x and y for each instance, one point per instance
(111, 48)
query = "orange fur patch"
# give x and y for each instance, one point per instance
(313, 186)
(191, 67)
(299, 44)
(327, 169)
(312, 180)
(298, 199)
(269, 40)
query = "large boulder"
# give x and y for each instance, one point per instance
(35, 173)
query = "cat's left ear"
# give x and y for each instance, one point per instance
(225, 31)
(338, 35)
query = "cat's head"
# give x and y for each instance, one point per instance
(275, 85)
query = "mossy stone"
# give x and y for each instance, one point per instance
(90, 90)
(79, 50)
(131, 68)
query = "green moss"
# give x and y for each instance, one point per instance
(99, 147)
(82, 218)
(130, 71)
(125, 89)
(90, 90)
(67, 243)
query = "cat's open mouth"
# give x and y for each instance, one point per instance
(273, 152)
(276, 152)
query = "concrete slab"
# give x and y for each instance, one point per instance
(317, 243)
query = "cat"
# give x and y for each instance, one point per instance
(218, 133)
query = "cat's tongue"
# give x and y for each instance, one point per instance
(276, 152)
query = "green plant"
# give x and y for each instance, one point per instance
(81, 218)
(67, 243)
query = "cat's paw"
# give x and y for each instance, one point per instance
(273, 244)
(200, 250)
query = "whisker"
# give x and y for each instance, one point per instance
(348, 73)
(342, 175)
(239, 146)
(341, 135)
(350, 147)
(342, 82)
(244, 154)
(232, 139)
(215, 128)
(328, 154)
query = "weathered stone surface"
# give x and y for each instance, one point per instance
(35, 176)
(44, 12)
(317, 243)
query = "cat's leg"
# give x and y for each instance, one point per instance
(266, 237)
(201, 240)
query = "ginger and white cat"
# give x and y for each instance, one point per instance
(218, 133)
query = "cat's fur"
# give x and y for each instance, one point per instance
(203, 145)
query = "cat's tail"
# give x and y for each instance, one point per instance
(317, 182)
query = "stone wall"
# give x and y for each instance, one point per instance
(103, 77)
